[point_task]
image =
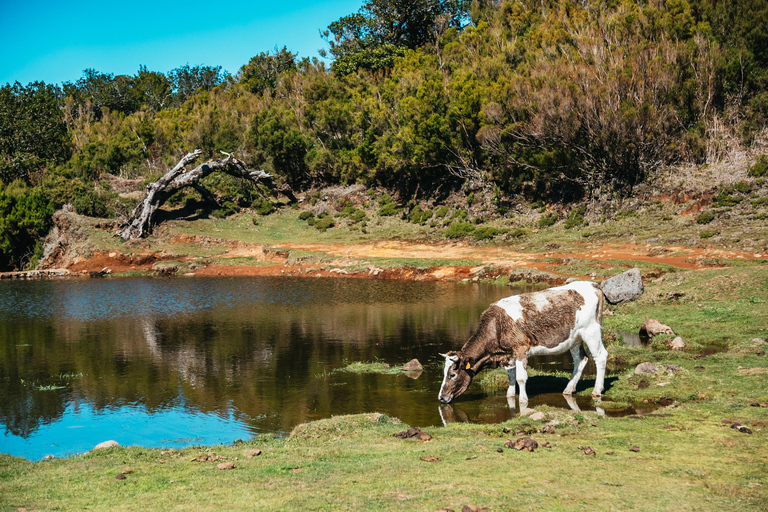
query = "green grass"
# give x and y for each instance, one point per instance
(372, 367)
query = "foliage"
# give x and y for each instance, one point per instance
(459, 229)
(705, 217)
(486, 233)
(33, 134)
(263, 206)
(25, 217)
(576, 217)
(263, 71)
(547, 220)
(419, 216)
(760, 167)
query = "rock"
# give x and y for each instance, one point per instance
(120, 476)
(500, 450)
(624, 287)
(610, 453)
(444, 510)
(635, 449)
(413, 366)
(653, 327)
(741, 428)
(672, 368)
(226, 465)
(472, 508)
(430, 458)
(252, 453)
(588, 450)
(643, 384)
(424, 436)
(676, 344)
(644, 368)
(537, 416)
(413, 432)
(106, 444)
(523, 443)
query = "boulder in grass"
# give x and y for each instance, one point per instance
(106, 444)
(676, 344)
(651, 328)
(623, 287)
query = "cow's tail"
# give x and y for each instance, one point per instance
(600, 305)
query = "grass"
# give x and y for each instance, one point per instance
(372, 367)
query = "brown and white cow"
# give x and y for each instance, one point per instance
(548, 322)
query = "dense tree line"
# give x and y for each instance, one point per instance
(556, 99)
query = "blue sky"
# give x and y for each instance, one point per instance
(55, 41)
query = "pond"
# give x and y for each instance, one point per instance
(198, 361)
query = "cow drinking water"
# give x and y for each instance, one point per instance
(548, 322)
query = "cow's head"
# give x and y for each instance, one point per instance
(457, 376)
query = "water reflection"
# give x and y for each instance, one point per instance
(160, 362)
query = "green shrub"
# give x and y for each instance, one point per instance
(459, 229)
(705, 218)
(707, 234)
(743, 187)
(441, 212)
(576, 217)
(263, 206)
(305, 215)
(724, 198)
(459, 215)
(358, 216)
(760, 167)
(763, 201)
(324, 222)
(227, 209)
(519, 232)
(486, 233)
(419, 216)
(548, 219)
(388, 210)
(311, 221)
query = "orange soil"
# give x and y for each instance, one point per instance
(274, 260)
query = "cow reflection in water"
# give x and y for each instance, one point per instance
(453, 413)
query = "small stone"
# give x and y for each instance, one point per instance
(537, 416)
(672, 368)
(635, 449)
(253, 453)
(610, 453)
(127, 471)
(523, 443)
(412, 432)
(500, 450)
(412, 366)
(226, 465)
(588, 450)
(166, 452)
(424, 436)
(430, 458)
(120, 477)
(546, 444)
(106, 444)
(445, 510)
(49, 457)
(643, 384)
(741, 428)
(699, 367)
(643, 368)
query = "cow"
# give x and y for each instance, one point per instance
(547, 322)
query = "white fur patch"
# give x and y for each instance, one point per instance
(512, 307)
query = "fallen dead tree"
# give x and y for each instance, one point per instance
(141, 221)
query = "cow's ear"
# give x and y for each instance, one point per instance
(468, 366)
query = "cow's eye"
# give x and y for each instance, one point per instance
(453, 376)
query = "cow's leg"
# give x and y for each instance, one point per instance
(580, 360)
(521, 376)
(511, 373)
(593, 337)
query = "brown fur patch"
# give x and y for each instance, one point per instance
(552, 324)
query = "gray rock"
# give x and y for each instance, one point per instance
(643, 368)
(624, 287)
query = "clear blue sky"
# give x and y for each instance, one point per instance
(55, 41)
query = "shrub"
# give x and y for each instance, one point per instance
(227, 209)
(743, 187)
(705, 218)
(459, 215)
(576, 218)
(486, 233)
(548, 219)
(305, 215)
(707, 234)
(518, 232)
(388, 210)
(724, 198)
(441, 212)
(263, 206)
(419, 216)
(324, 223)
(459, 229)
(760, 167)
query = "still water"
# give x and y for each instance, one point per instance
(199, 361)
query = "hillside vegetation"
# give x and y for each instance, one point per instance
(496, 103)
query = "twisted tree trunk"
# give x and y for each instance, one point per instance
(141, 220)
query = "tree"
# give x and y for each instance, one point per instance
(382, 30)
(187, 80)
(33, 134)
(96, 91)
(141, 220)
(262, 71)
